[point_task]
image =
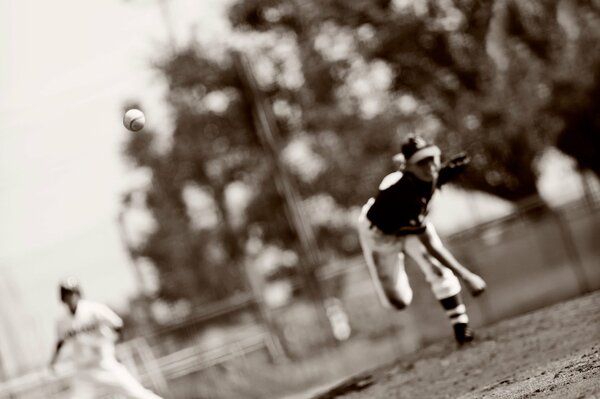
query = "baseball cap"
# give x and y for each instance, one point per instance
(69, 285)
(415, 149)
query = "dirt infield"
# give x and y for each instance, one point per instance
(551, 353)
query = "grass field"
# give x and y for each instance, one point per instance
(550, 353)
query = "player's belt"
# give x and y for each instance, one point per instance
(406, 230)
(373, 226)
(402, 231)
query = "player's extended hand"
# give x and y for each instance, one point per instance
(476, 284)
(49, 373)
(461, 159)
(51, 369)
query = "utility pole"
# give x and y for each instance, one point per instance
(167, 20)
(268, 134)
(165, 13)
(142, 296)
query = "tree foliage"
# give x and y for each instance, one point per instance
(347, 80)
(196, 246)
(492, 75)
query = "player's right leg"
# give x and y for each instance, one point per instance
(129, 386)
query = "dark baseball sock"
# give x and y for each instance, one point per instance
(455, 309)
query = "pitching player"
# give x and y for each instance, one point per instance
(91, 329)
(394, 224)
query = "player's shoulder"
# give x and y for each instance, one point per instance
(389, 180)
(88, 306)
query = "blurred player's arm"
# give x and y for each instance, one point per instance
(436, 248)
(108, 317)
(62, 336)
(56, 353)
(454, 167)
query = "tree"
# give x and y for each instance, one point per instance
(480, 72)
(347, 81)
(199, 243)
(561, 40)
(196, 246)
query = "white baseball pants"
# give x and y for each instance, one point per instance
(105, 379)
(384, 255)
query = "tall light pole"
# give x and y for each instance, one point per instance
(134, 261)
(165, 11)
(268, 134)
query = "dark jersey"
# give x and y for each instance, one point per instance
(402, 202)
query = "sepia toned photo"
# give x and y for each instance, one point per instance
(299, 199)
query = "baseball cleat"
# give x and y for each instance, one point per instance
(463, 333)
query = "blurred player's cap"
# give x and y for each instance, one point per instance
(69, 285)
(415, 149)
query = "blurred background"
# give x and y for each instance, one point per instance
(224, 231)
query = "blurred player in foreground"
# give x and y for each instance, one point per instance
(394, 223)
(91, 329)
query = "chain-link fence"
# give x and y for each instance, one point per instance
(531, 258)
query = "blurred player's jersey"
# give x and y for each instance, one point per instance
(402, 201)
(90, 332)
(401, 205)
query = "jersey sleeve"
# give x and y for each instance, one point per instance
(390, 180)
(105, 315)
(452, 169)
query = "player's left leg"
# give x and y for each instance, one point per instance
(385, 261)
(445, 287)
(114, 377)
(457, 312)
(369, 256)
(82, 386)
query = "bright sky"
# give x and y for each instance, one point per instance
(66, 68)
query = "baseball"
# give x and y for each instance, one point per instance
(134, 120)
